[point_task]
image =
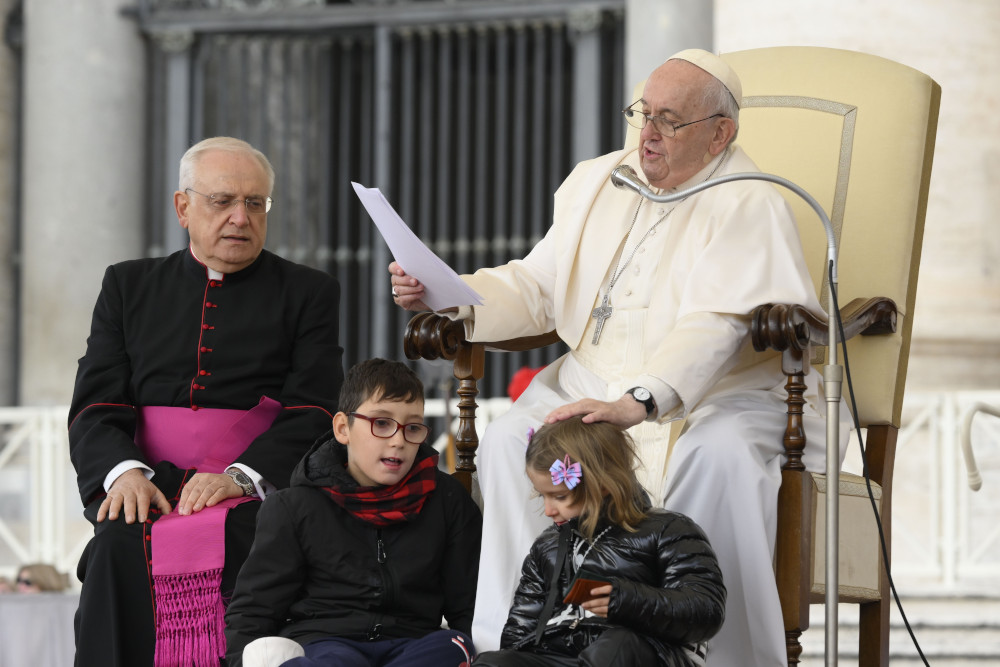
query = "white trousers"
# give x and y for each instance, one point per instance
(724, 472)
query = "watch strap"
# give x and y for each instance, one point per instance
(243, 481)
(647, 402)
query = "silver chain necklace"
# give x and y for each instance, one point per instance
(577, 558)
(603, 312)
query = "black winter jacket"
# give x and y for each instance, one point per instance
(667, 586)
(316, 571)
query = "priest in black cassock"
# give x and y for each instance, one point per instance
(207, 376)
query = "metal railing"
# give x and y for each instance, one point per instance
(41, 519)
(945, 536)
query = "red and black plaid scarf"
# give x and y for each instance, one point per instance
(386, 505)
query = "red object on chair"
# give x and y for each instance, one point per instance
(520, 381)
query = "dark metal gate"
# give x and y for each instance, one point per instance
(466, 115)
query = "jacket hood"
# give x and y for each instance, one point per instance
(325, 464)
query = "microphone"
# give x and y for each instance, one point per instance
(624, 178)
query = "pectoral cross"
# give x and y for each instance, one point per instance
(600, 314)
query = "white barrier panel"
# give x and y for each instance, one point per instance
(945, 536)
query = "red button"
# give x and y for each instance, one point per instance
(202, 372)
(203, 349)
(194, 407)
(204, 326)
(212, 283)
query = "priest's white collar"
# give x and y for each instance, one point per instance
(212, 273)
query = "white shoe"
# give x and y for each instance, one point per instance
(271, 652)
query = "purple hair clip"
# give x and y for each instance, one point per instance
(564, 472)
(531, 433)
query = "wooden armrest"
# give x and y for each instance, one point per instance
(431, 336)
(524, 343)
(791, 327)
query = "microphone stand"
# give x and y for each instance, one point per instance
(625, 177)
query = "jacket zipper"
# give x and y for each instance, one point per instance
(375, 631)
(383, 558)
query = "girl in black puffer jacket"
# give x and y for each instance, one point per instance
(614, 581)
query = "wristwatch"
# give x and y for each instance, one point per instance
(642, 395)
(243, 481)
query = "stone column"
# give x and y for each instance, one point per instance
(657, 29)
(8, 224)
(82, 177)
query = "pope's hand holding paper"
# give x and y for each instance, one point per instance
(442, 286)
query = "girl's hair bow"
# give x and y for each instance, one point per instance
(564, 472)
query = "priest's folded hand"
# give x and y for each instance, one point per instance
(132, 494)
(206, 489)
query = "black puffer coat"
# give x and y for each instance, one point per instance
(667, 586)
(317, 571)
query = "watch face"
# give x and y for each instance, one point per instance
(243, 481)
(641, 394)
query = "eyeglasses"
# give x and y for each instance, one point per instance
(386, 427)
(26, 582)
(638, 119)
(224, 203)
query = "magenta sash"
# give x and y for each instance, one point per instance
(189, 551)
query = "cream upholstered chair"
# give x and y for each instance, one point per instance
(857, 132)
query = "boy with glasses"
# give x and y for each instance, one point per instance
(358, 561)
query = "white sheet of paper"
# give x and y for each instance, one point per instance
(442, 286)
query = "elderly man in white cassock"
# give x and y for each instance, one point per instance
(653, 301)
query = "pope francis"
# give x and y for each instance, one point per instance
(653, 301)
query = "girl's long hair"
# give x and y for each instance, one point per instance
(608, 486)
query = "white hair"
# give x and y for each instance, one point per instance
(716, 98)
(189, 162)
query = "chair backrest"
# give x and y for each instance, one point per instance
(857, 132)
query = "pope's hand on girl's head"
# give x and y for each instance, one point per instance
(624, 412)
